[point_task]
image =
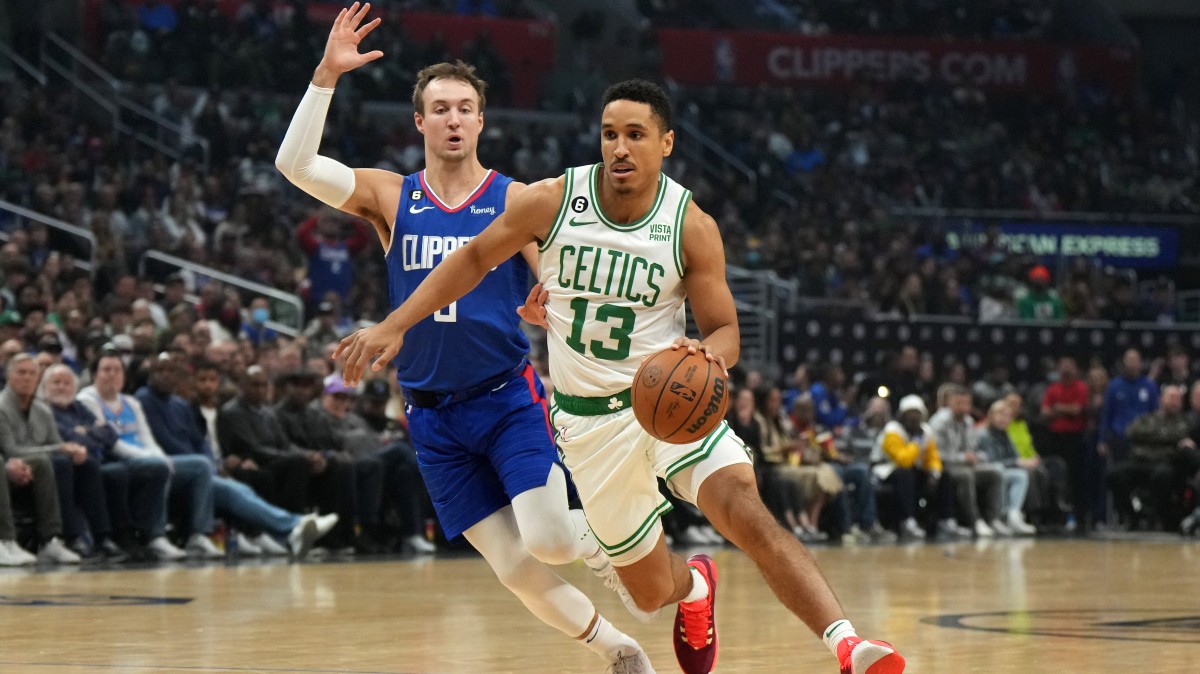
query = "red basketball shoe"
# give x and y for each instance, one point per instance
(695, 635)
(869, 657)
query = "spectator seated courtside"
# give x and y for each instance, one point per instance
(28, 442)
(175, 427)
(1162, 459)
(135, 491)
(913, 467)
(191, 479)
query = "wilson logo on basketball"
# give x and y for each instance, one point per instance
(714, 405)
(686, 382)
(683, 391)
(652, 377)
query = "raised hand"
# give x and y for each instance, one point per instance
(341, 51)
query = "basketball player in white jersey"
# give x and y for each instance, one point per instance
(479, 424)
(622, 246)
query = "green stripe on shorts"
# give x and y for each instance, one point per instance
(699, 453)
(638, 536)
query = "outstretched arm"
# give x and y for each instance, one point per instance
(527, 219)
(361, 192)
(534, 309)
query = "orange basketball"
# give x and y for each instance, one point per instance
(679, 397)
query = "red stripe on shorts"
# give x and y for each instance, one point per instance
(528, 374)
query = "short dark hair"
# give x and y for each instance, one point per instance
(458, 70)
(106, 353)
(642, 91)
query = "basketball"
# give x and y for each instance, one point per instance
(679, 397)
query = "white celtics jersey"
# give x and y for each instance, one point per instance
(615, 291)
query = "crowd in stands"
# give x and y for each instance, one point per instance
(851, 162)
(276, 447)
(139, 453)
(268, 45)
(962, 19)
(136, 445)
(843, 161)
(975, 461)
(239, 217)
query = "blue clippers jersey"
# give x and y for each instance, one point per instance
(479, 336)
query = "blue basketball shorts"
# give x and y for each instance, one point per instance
(476, 455)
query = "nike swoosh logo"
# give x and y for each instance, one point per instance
(577, 223)
(414, 210)
(832, 628)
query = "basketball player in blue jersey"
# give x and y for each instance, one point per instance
(476, 410)
(623, 247)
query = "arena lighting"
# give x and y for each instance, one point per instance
(883, 392)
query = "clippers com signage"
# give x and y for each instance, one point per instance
(788, 59)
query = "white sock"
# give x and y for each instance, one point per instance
(834, 634)
(608, 642)
(699, 587)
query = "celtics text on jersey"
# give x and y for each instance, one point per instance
(615, 290)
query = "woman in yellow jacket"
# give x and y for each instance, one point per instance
(909, 462)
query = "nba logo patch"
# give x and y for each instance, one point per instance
(416, 195)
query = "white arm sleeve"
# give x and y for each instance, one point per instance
(328, 180)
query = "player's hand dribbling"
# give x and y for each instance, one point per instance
(358, 349)
(341, 51)
(534, 310)
(695, 346)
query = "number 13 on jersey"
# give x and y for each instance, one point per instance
(619, 320)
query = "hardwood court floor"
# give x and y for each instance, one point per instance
(1054, 606)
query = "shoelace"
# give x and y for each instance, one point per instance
(613, 582)
(609, 575)
(625, 664)
(697, 623)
